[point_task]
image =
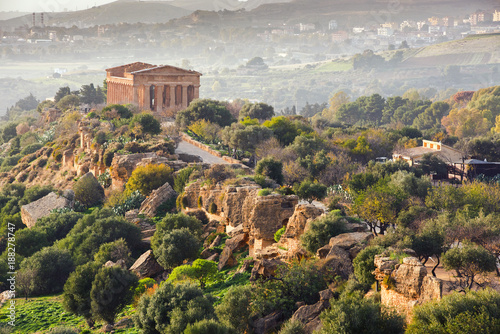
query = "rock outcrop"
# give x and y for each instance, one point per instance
(42, 207)
(353, 243)
(146, 266)
(156, 198)
(259, 216)
(405, 285)
(122, 166)
(302, 215)
(236, 243)
(308, 315)
(268, 323)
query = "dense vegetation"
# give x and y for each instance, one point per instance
(328, 157)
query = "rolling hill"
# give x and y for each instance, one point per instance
(473, 50)
(112, 13)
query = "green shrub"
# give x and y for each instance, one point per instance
(321, 230)
(271, 168)
(32, 148)
(114, 251)
(212, 208)
(173, 247)
(292, 327)
(112, 289)
(171, 308)
(181, 178)
(472, 312)
(364, 265)
(354, 314)
(264, 192)
(279, 233)
(200, 202)
(63, 330)
(206, 326)
(148, 178)
(88, 191)
(49, 278)
(234, 310)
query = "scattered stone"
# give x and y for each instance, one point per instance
(107, 328)
(216, 241)
(132, 215)
(245, 267)
(226, 259)
(214, 257)
(146, 265)
(42, 207)
(265, 268)
(268, 323)
(148, 233)
(157, 198)
(206, 253)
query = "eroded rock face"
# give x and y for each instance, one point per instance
(268, 323)
(31, 212)
(269, 214)
(309, 314)
(240, 207)
(297, 224)
(409, 284)
(157, 198)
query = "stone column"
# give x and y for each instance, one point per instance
(184, 103)
(147, 98)
(159, 98)
(196, 91)
(135, 95)
(172, 96)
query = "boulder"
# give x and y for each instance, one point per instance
(338, 262)
(214, 257)
(146, 265)
(265, 268)
(308, 315)
(216, 241)
(206, 253)
(348, 240)
(233, 244)
(352, 242)
(158, 197)
(268, 323)
(245, 267)
(236, 243)
(226, 259)
(42, 207)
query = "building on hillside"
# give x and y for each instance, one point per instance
(472, 168)
(162, 89)
(496, 16)
(447, 154)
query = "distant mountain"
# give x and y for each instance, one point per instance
(115, 12)
(194, 5)
(11, 15)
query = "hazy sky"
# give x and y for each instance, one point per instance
(48, 5)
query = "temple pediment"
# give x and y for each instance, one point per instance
(166, 70)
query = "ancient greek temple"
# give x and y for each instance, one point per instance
(162, 89)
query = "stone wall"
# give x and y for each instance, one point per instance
(208, 149)
(405, 285)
